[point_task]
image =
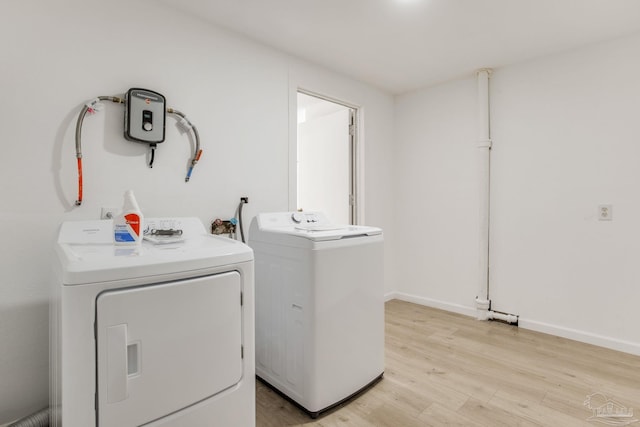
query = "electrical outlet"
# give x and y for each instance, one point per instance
(605, 212)
(108, 213)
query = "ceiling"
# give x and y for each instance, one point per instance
(404, 45)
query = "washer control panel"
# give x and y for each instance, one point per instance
(306, 218)
(289, 219)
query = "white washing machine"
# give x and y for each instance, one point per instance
(319, 307)
(156, 335)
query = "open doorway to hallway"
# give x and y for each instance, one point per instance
(326, 153)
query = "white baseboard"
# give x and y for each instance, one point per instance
(428, 302)
(387, 297)
(534, 325)
(582, 336)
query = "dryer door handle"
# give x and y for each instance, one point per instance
(117, 363)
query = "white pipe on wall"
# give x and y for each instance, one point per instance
(484, 159)
(509, 318)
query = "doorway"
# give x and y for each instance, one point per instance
(326, 158)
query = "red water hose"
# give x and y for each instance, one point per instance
(79, 200)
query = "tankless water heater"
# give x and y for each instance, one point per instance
(144, 116)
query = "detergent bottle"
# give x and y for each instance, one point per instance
(127, 225)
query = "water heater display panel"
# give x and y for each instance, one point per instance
(144, 116)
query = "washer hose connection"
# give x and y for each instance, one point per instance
(95, 105)
(90, 107)
(188, 126)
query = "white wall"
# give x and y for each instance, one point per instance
(435, 255)
(57, 55)
(565, 134)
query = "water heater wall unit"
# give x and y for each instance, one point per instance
(144, 116)
(144, 121)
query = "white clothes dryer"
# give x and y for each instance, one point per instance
(319, 307)
(156, 335)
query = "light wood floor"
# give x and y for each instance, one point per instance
(447, 369)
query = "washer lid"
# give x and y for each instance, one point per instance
(309, 225)
(332, 232)
(86, 252)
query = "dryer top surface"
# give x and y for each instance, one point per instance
(87, 254)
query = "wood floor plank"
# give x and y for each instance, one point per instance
(533, 411)
(488, 415)
(443, 368)
(437, 415)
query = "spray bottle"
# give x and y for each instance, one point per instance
(127, 225)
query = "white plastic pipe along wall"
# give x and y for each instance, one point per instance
(484, 160)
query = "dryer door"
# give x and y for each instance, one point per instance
(161, 348)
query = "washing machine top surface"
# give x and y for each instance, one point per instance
(308, 225)
(87, 254)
